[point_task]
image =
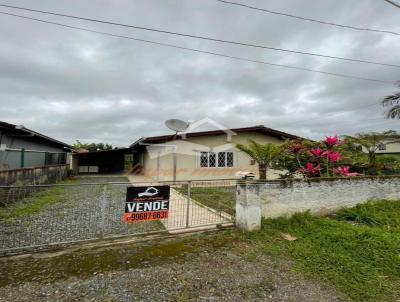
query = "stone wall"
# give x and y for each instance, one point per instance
(321, 196)
(33, 176)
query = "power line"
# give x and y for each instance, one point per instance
(203, 37)
(309, 19)
(197, 50)
(393, 3)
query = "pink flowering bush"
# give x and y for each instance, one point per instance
(310, 170)
(316, 159)
(345, 171)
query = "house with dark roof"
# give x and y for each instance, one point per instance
(21, 147)
(201, 155)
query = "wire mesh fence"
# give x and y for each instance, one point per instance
(39, 216)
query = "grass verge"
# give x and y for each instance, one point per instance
(358, 256)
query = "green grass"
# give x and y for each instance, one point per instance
(220, 199)
(34, 203)
(383, 214)
(361, 260)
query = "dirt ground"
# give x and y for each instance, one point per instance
(205, 267)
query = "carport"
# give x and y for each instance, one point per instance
(103, 161)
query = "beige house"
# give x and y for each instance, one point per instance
(391, 148)
(201, 155)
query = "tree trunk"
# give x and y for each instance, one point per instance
(262, 170)
(372, 163)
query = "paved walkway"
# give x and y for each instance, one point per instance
(199, 215)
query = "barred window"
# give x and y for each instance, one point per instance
(203, 159)
(216, 159)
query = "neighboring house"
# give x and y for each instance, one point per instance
(23, 148)
(389, 148)
(201, 155)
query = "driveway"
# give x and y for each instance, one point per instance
(179, 208)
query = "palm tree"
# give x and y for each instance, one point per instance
(371, 142)
(265, 155)
(394, 102)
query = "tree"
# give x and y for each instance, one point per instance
(392, 101)
(371, 142)
(92, 146)
(265, 155)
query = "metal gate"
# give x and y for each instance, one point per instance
(41, 216)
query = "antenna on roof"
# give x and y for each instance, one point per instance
(176, 125)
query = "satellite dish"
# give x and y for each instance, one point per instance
(177, 125)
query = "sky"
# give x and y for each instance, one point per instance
(74, 85)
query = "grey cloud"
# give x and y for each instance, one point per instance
(76, 85)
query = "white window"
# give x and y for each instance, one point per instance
(217, 159)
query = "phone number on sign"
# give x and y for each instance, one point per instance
(135, 217)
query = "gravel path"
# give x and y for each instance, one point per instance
(87, 212)
(205, 268)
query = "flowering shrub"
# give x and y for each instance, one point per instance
(316, 159)
(310, 170)
(345, 171)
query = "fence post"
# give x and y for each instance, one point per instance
(248, 207)
(188, 203)
(22, 157)
(103, 204)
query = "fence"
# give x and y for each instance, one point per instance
(41, 216)
(320, 196)
(23, 158)
(33, 176)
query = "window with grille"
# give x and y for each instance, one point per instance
(382, 147)
(216, 159)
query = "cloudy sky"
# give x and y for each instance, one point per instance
(71, 84)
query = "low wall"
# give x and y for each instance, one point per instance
(321, 196)
(33, 176)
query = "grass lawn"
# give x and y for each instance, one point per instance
(217, 198)
(357, 250)
(35, 202)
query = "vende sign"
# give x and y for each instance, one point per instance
(146, 203)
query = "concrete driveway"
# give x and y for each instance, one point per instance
(183, 212)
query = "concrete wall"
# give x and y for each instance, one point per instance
(283, 198)
(158, 161)
(31, 176)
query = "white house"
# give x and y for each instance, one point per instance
(201, 155)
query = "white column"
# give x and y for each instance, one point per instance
(248, 207)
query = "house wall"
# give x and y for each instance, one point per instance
(390, 149)
(12, 159)
(158, 160)
(32, 143)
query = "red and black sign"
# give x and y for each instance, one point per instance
(146, 203)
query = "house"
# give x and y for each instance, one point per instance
(202, 155)
(103, 161)
(21, 147)
(391, 148)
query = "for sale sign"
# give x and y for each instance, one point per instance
(146, 203)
